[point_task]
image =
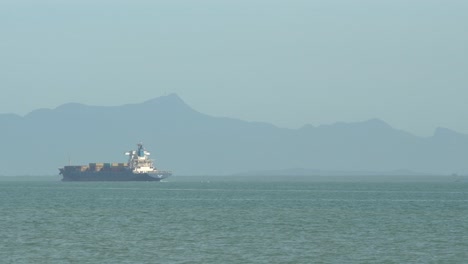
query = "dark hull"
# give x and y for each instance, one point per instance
(111, 176)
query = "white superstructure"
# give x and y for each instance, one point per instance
(139, 161)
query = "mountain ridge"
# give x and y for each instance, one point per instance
(194, 143)
(174, 98)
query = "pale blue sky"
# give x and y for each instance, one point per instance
(285, 62)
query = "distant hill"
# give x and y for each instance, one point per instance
(191, 143)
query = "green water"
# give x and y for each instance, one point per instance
(228, 220)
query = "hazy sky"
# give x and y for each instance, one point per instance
(285, 62)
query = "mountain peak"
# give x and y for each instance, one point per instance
(172, 98)
(171, 102)
(375, 122)
(69, 106)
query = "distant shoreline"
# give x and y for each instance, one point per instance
(272, 178)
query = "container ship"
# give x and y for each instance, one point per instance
(138, 168)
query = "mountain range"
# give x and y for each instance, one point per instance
(188, 142)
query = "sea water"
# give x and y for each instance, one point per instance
(235, 220)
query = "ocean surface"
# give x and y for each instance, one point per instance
(235, 220)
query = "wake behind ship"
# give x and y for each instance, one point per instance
(138, 168)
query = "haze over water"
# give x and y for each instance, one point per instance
(235, 220)
(81, 78)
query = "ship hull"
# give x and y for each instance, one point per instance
(126, 175)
